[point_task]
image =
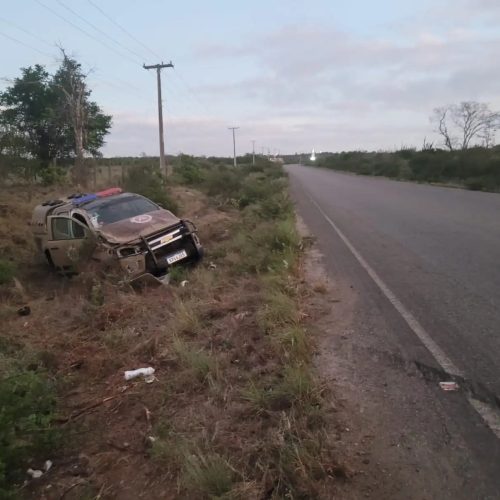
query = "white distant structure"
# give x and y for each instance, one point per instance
(313, 156)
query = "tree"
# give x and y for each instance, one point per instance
(52, 117)
(28, 121)
(467, 123)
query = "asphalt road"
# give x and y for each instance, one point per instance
(436, 252)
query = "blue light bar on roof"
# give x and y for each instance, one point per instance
(83, 199)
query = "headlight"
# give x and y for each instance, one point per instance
(128, 251)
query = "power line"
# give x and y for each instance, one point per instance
(109, 18)
(93, 26)
(20, 28)
(192, 92)
(25, 44)
(142, 44)
(84, 31)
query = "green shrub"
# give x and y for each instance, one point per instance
(53, 175)
(477, 168)
(27, 405)
(150, 182)
(224, 181)
(7, 271)
(189, 171)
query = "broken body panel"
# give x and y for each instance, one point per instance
(125, 227)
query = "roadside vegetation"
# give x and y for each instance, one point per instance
(465, 156)
(235, 409)
(475, 168)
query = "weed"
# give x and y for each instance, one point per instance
(257, 397)
(210, 474)
(298, 385)
(295, 342)
(27, 402)
(198, 362)
(149, 181)
(96, 297)
(168, 447)
(185, 319)
(7, 271)
(177, 274)
(278, 310)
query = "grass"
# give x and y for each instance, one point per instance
(210, 474)
(7, 271)
(257, 397)
(201, 364)
(294, 341)
(185, 319)
(278, 310)
(27, 433)
(233, 412)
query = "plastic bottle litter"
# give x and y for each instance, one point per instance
(35, 474)
(448, 386)
(145, 372)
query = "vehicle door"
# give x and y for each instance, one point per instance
(71, 242)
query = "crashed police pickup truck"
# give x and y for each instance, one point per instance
(110, 226)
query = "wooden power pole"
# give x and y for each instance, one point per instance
(158, 68)
(234, 144)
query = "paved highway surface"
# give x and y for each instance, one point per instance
(425, 264)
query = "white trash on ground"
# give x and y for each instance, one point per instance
(35, 474)
(449, 386)
(145, 372)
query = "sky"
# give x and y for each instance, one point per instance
(292, 75)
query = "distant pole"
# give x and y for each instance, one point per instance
(234, 143)
(253, 153)
(158, 68)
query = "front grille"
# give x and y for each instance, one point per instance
(155, 241)
(179, 239)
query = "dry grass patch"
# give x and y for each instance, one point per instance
(202, 365)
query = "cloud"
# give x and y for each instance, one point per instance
(304, 85)
(317, 72)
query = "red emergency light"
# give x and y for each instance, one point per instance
(108, 192)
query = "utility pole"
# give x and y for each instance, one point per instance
(253, 153)
(158, 68)
(234, 143)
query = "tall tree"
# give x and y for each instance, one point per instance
(52, 117)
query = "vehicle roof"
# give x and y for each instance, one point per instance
(110, 200)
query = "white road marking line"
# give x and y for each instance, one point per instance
(490, 417)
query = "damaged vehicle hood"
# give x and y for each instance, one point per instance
(128, 230)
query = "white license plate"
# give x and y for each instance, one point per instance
(177, 256)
